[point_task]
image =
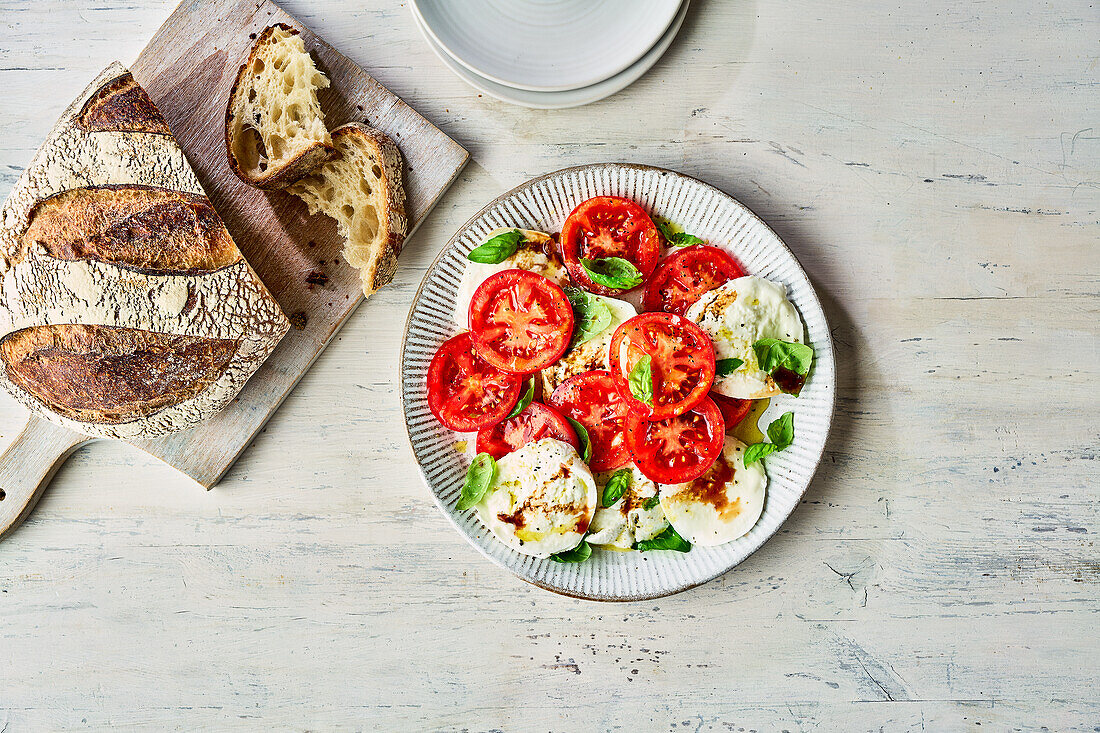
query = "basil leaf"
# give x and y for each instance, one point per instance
(722, 367)
(580, 553)
(479, 477)
(616, 485)
(591, 315)
(612, 272)
(497, 249)
(773, 354)
(667, 540)
(582, 434)
(641, 380)
(757, 451)
(781, 432)
(676, 239)
(651, 502)
(524, 399)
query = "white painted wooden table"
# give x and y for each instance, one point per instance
(935, 166)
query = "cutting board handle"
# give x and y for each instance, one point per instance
(28, 465)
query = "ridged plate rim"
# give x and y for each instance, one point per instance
(823, 377)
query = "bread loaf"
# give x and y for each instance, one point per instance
(274, 130)
(126, 309)
(361, 189)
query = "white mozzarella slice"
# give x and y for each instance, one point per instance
(628, 520)
(722, 504)
(530, 256)
(735, 316)
(592, 354)
(542, 500)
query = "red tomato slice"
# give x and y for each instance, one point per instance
(733, 409)
(465, 392)
(681, 361)
(684, 276)
(535, 423)
(520, 321)
(591, 399)
(678, 449)
(608, 226)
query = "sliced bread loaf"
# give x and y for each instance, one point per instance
(274, 129)
(361, 189)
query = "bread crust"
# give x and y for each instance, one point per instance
(149, 229)
(122, 106)
(101, 374)
(299, 165)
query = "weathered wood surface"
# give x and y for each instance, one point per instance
(935, 166)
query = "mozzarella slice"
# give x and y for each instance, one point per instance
(735, 316)
(592, 354)
(627, 520)
(542, 500)
(530, 256)
(722, 504)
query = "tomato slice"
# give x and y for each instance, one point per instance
(678, 449)
(535, 423)
(681, 278)
(608, 226)
(520, 321)
(733, 409)
(465, 392)
(681, 360)
(591, 399)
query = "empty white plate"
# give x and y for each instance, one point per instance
(545, 45)
(568, 98)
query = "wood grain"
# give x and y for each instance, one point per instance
(936, 168)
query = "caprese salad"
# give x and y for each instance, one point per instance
(594, 424)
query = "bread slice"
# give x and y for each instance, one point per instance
(274, 129)
(361, 189)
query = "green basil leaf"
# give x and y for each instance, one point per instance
(580, 553)
(497, 249)
(651, 502)
(722, 367)
(524, 399)
(479, 477)
(591, 315)
(773, 354)
(781, 431)
(612, 272)
(582, 434)
(667, 540)
(640, 380)
(665, 227)
(757, 451)
(616, 486)
(683, 239)
(674, 238)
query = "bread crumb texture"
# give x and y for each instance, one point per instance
(275, 130)
(361, 189)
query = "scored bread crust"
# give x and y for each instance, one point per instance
(129, 313)
(360, 148)
(238, 124)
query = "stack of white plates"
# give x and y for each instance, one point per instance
(549, 54)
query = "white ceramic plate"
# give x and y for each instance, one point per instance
(544, 203)
(545, 45)
(571, 98)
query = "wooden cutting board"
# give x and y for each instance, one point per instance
(188, 68)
